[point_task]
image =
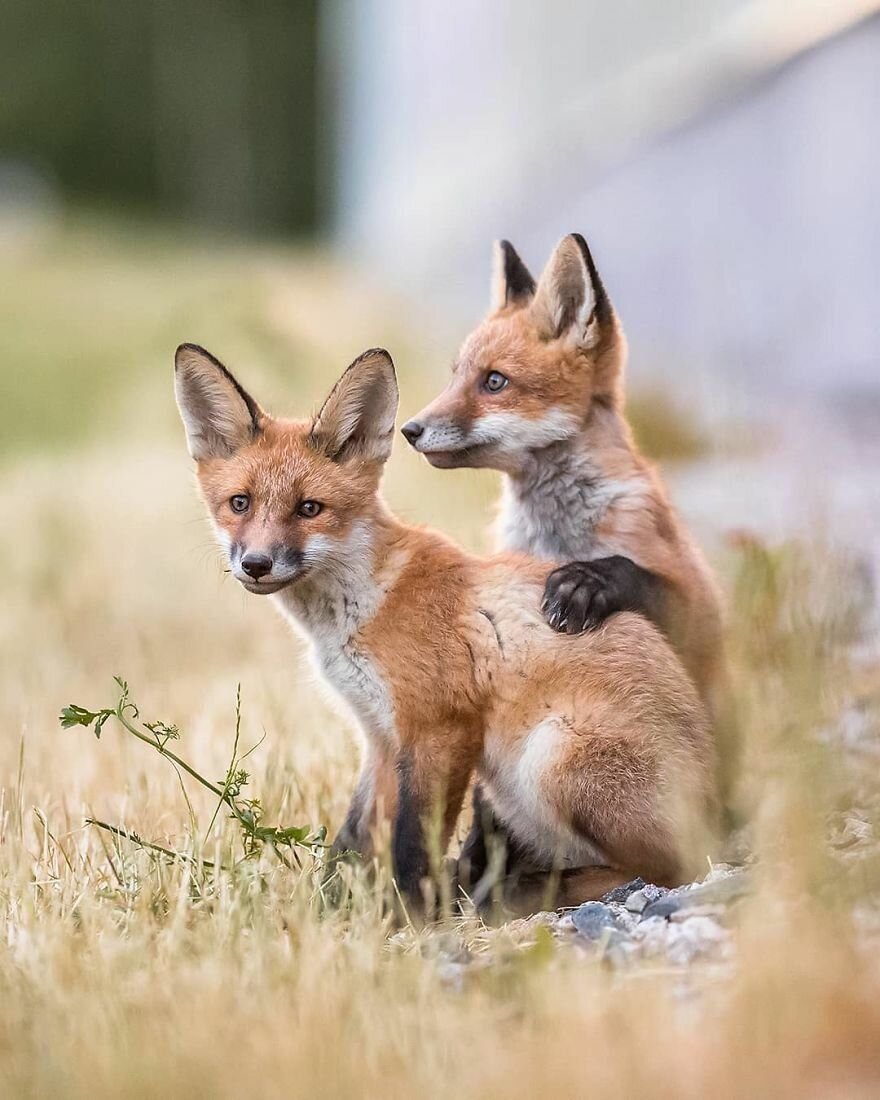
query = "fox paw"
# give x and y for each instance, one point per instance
(581, 595)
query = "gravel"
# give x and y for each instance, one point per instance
(642, 920)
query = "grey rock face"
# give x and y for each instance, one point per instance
(662, 907)
(682, 943)
(592, 918)
(619, 894)
(640, 899)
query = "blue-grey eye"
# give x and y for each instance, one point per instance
(495, 381)
(240, 502)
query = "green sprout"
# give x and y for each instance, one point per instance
(282, 841)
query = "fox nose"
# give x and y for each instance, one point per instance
(412, 429)
(256, 565)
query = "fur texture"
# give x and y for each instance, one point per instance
(594, 751)
(576, 487)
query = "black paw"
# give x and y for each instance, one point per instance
(581, 595)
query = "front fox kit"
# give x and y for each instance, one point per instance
(593, 752)
(537, 392)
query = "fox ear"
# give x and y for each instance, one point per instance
(357, 419)
(512, 282)
(219, 417)
(570, 298)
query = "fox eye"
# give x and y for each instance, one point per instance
(240, 502)
(495, 381)
(309, 509)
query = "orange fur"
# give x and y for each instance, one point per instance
(594, 750)
(561, 416)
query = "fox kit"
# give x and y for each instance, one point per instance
(592, 752)
(537, 392)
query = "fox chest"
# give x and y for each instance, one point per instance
(357, 681)
(552, 525)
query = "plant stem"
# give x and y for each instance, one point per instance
(127, 834)
(222, 793)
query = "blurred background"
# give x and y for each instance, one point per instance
(720, 156)
(288, 184)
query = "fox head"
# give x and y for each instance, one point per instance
(287, 497)
(529, 374)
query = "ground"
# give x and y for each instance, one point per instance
(128, 974)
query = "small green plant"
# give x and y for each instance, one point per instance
(282, 841)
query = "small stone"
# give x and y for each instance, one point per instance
(695, 938)
(619, 950)
(681, 943)
(652, 935)
(636, 902)
(721, 871)
(592, 918)
(719, 888)
(620, 893)
(716, 912)
(652, 892)
(663, 907)
(640, 899)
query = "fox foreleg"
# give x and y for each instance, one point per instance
(579, 596)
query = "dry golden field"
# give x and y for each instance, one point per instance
(124, 973)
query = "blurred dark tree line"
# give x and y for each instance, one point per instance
(200, 109)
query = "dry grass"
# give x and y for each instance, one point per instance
(126, 976)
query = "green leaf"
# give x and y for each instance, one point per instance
(79, 716)
(247, 811)
(291, 835)
(76, 716)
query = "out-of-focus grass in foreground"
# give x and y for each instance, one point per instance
(125, 976)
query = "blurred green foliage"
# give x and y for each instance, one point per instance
(91, 313)
(201, 109)
(664, 429)
(93, 307)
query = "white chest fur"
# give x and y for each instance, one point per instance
(355, 678)
(331, 610)
(553, 508)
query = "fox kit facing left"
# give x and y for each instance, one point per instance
(537, 392)
(592, 751)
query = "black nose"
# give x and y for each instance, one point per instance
(412, 429)
(256, 565)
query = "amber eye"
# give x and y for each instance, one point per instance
(495, 381)
(309, 509)
(240, 502)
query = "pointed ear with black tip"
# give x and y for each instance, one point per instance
(218, 415)
(357, 419)
(570, 299)
(512, 282)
